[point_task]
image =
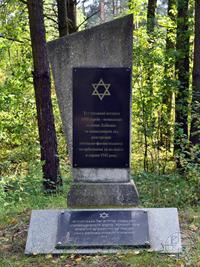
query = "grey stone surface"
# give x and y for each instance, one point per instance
(164, 232)
(106, 45)
(101, 175)
(102, 194)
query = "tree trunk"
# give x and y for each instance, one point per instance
(62, 17)
(149, 122)
(195, 123)
(151, 16)
(169, 76)
(102, 10)
(182, 71)
(42, 86)
(71, 16)
(150, 30)
(113, 7)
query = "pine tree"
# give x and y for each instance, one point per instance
(42, 86)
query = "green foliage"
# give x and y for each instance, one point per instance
(20, 166)
(15, 188)
(18, 192)
(168, 190)
(18, 127)
(148, 73)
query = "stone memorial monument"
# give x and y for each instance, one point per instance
(84, 64)
(92, 74)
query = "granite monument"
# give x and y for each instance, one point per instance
(92, 74)
(105, 46)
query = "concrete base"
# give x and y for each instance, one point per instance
(164, 233)
(102, 195)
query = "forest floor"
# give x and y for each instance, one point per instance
(14, 221)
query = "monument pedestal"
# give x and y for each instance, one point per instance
(102, 195)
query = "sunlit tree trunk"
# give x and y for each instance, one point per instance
(102, 10)
(42, 86)
(169, 77)
(149, 65)
(195, 123)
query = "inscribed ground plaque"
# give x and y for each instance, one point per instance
(89, 229)
(101, 117)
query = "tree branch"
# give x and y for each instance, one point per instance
(23, 1)
(50, 18)
(11, 39)
(93, 14)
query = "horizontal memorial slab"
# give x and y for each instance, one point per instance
(105, 229)
(164, 232)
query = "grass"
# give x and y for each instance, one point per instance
(172, 190)
(155, 191)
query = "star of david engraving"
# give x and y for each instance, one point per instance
(104, 215)
(97, 92)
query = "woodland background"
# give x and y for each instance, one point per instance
(165, 117)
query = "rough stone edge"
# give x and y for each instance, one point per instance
(95, 28)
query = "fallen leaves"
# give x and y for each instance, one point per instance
(49, 256)
(78, 260)
(193, 227)
(136, 252)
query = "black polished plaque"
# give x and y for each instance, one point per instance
(101, 117)
(103, 229)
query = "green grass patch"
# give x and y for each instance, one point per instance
(172, 190)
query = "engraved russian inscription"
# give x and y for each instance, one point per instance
(103, 228)
(101, 117)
